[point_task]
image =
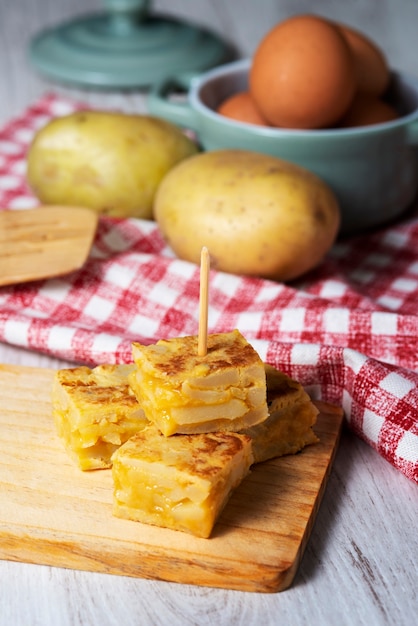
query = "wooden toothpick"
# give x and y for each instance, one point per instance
(202, 346)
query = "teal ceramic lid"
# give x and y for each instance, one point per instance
(124, 47)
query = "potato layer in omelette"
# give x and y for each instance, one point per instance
(181, 431)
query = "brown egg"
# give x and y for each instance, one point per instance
(241, 107)
(302, 74)
(372, 71)
(368, 109)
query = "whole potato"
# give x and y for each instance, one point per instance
(109, 162)
(257, 214)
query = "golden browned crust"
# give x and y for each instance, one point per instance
(104, 385)
(94, 412)
(180, 482)
(202, 455)
(182, 392)
(179, 357)
(289, 426)
(281, 389)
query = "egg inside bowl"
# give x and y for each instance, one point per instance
(372, 169)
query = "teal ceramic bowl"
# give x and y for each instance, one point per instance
(373, 170)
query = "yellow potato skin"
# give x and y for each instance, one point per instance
(257, 214)
(109, 162)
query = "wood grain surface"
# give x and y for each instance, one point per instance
(52, 513)
(359, 566)
(44, 242)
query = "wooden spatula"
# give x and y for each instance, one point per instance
(44, 242)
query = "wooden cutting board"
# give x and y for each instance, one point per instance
(51, 513)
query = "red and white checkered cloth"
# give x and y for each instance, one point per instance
(348, 331)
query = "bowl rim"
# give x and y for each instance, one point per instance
(242, 65)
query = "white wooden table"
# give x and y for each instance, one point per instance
(360, 565)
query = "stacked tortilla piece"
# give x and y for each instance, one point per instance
(201, 422)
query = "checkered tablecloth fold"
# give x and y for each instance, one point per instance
(348, 330)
